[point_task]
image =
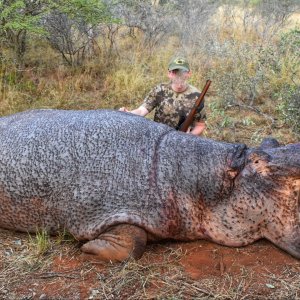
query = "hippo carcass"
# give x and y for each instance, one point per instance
(116, 181)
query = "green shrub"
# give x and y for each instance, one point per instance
(287, 94)
(243, 71)
(290, 41)
(289, 107)
(40, 243)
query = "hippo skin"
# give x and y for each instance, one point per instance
(117, 181)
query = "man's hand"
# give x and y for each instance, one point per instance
(198, 129)
(141, 111)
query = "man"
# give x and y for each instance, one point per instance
(174, 100)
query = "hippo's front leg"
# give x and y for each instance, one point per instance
(118, 243)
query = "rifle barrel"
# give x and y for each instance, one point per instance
(189, 119)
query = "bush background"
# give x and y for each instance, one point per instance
(88, 54)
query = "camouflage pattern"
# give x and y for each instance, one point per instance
(171, 107)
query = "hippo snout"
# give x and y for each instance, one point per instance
(285, 161)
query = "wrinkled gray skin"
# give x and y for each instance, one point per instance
(118, 180)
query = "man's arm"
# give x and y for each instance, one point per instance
(140, 111)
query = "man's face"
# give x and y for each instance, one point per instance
(179, 79)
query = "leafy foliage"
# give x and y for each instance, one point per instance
(21, 18)
(72, 27)
(290, 107)
(18, 19)
(89, 11)
(110, 53)
(289, 93)
(20, 15)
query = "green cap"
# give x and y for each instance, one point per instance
(179, 63)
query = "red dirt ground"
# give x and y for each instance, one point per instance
(261, 268)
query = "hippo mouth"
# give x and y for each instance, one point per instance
(285, 162)
(285, 172)
(273, 171)
(291, 242)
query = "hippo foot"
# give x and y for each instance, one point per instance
(118, 243)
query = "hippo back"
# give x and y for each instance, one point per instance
(88, 170)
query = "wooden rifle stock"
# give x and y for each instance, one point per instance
(189, 119)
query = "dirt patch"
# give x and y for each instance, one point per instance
(196, 270)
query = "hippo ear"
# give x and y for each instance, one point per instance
(237, 161)
(268, 143)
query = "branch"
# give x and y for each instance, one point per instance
(52, 274)
(256, 110)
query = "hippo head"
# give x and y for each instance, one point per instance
(267, 187)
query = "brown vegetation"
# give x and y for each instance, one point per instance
(197, 270)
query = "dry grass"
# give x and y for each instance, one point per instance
(168, 280)
(100, 84)
(246, 124)
(21, 257)
(158, 275)
(125, 78)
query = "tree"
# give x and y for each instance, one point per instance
(72, 27)
(147, 16)
(18, 18)
(47, 18)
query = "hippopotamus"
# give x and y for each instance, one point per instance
(116, 181)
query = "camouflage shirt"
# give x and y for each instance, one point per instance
(172, 108)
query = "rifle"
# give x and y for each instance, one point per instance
(189, 119)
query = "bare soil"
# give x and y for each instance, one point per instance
(170, 270)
